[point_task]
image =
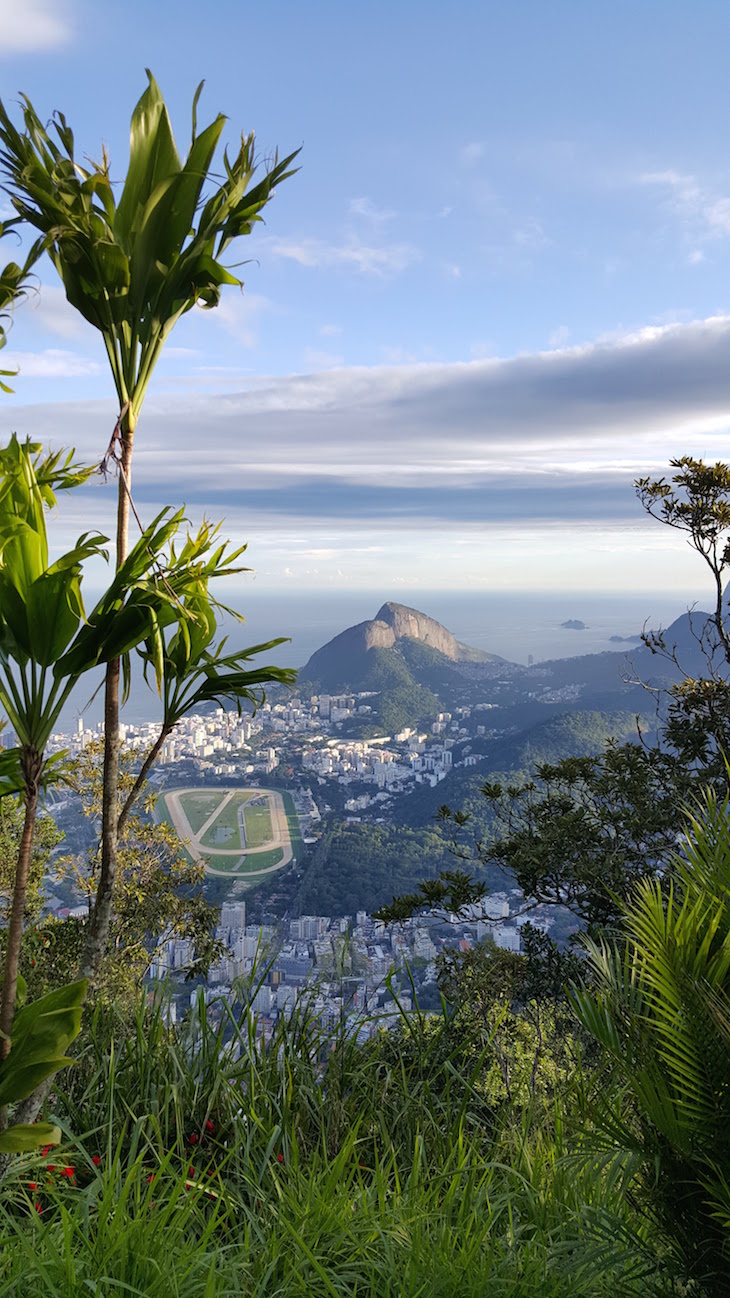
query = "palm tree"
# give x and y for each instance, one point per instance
(133, 268)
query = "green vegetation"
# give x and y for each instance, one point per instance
(203, 1171)
(295, 833)
(198, 806)
(258, 825)
(241, 865)
(360, 867)
(227, 819)
(560, 1126)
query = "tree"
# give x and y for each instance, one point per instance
(133, 268)
(157, 893)
(47, 836)
(582, 832)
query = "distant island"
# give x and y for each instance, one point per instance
(574, 624)
(625, 639)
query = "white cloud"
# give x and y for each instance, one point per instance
(50, 312)
(240, 313)
(559, 336)
(330, 330)
(530, 234)
(353, 254)
(570, 420)
(54, 363)
(29, 26)
(702, 212)
(367, 209)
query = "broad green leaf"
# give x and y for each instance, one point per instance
(19, 1082)
(53, 610)
(24, 1137)
(152, 157)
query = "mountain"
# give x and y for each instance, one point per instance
(346, 661)
(411, 664)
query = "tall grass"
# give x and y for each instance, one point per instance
(207, 1164)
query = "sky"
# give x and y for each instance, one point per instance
(495, 293)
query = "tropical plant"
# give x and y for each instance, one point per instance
(190, 668)
(660, 1010)
(42, 1032)
(47, 643)
(133, 268)
(13, 286)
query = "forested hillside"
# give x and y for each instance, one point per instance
(514, 758)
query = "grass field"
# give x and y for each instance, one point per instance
(239, 866)
(258, 826)
(223, 836)
(199, 806)
(228, 819)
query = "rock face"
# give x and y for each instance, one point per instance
(345, 658)
(395, 621)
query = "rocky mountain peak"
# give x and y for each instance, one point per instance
(410, 623)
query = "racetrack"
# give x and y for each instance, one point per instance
(280, 836)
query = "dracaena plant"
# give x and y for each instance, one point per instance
(13, 286)
(47, 642)
(190, 668)
(133, 267)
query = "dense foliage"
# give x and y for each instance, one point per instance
(361, 866)
(205, 1164)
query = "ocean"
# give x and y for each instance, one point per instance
(516, 626)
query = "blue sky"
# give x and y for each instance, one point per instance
(495, 293)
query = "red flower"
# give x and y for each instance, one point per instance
(50, 1167)
(69, 1173)
(46, 1151)
(32, 1185)
(38, 1206)
(193, 1140)
(151, 1177)
(191, 1171)
(96, 1160)
(280, 1158)
(210, 1127)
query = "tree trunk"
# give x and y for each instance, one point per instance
(146, 765)
(31, 764)
(97, 938)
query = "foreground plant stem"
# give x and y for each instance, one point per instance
(97, 939)
(31, 763)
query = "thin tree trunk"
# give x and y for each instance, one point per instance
(31, 763)
(135, 789)
(97, 939)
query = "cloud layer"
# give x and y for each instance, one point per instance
(536, 443)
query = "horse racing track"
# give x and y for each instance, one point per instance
(233, 831)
